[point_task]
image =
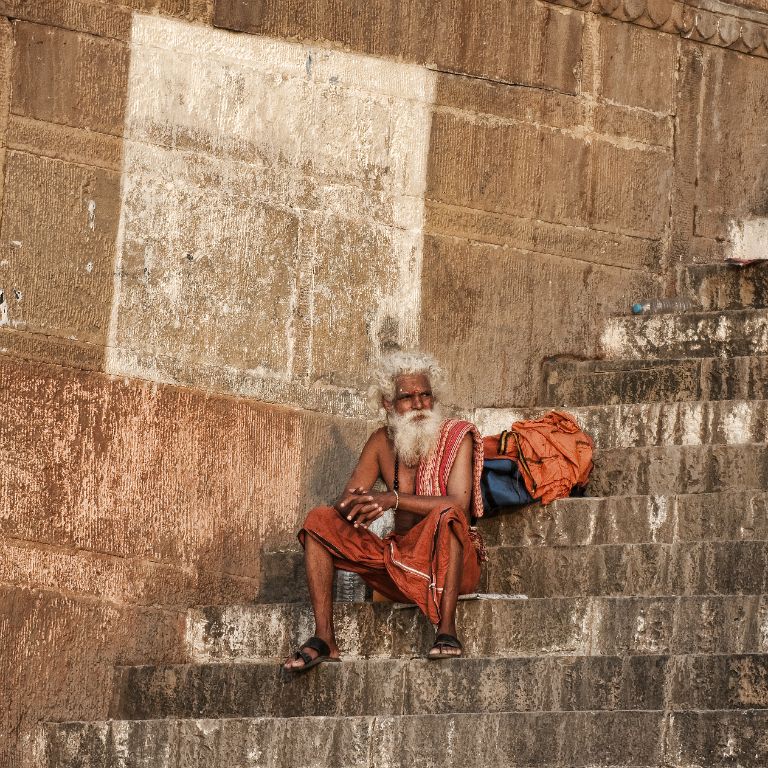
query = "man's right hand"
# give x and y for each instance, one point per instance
(363, 509)
(348, 499)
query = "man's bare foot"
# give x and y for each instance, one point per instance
(311, 653)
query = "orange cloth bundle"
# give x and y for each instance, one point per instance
(552, 452)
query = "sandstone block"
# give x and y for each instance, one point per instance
(732, 164)
(72, 646)
(719, 287)
(632, 519)
(535, 173)
(501, 740)
(630, 381)
(485, 310)
(683, 469)
(95, 68)
(637, 66)
(407, 686)
(690, 335)
(57, 243)
(531, 44)
(631, 189)
(652, 424)
(632, 569)
(6, 68)
(78, 15)
(505, 627)
(74, 145)
(141, 473)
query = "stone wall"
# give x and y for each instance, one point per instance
(216, 215)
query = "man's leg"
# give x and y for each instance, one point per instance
(447, 625)
(318, 562)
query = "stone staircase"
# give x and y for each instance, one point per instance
(638, 635)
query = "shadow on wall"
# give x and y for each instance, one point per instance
(329, 466)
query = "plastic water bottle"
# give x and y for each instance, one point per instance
(659, 306)
(350, 588)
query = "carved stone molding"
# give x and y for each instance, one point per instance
(708, 21)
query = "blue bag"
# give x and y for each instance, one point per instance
(502, 486)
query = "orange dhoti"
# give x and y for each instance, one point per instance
(408, 567)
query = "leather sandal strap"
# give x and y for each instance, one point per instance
(305, 657)
(317, 644)
(448, 640)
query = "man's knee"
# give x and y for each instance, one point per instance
(319, 517)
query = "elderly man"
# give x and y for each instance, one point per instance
(431, 467)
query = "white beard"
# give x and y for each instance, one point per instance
(414, 433)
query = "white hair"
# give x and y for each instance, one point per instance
(396, 364)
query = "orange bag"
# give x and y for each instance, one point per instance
(552, 452)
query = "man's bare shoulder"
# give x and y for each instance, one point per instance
(378, 438)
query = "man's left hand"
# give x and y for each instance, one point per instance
(366, 508)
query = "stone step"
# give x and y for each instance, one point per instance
(694, 334)
(724, 286)
(631, 739)
(408, 686)
(732, 515)
(505, 627)
(568, 383)
(688, 568)
(724, 422)
(679, 469)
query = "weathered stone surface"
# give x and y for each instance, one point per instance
(59, 654)
(728, 287)
(683, 469)
(298, 171)
(128, 503)
(530, 44)
(637, 66)
(689, 102)
(747, 238)
(632, 520)
(574, 383)
(631, 189)
(538, 236)
(74, 145)
(504, 627)
(6, 69)
(477, 316)
(136, 468)
(408, 686)
(40, 347)
(694, 334)
(97, 75)
(721, 422)
(697, 568)
(712, 738)
(105, 19)
(539, 173)
(57, 248)
(502, 740)
(733, 165)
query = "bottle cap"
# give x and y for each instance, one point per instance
(637, 309)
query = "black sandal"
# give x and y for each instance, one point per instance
(323, 654)
(445, 641)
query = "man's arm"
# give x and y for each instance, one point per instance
(459, 493)
(364, 475)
